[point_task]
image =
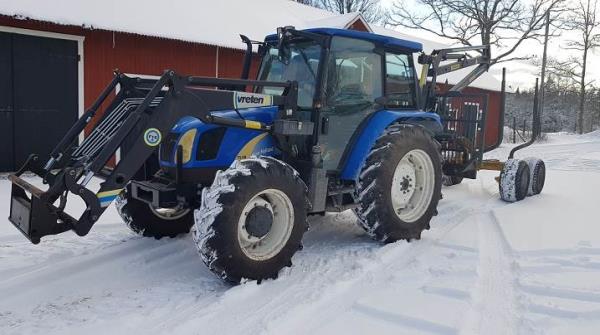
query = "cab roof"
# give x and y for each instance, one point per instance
(386, 41)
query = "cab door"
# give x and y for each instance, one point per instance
(353, 82)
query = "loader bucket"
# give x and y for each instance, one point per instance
(31, 213)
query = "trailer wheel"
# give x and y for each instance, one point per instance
(147, 221)
(400, 184)
(514, 180)
(251, 220)
(537, 177)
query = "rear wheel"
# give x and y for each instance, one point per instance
(149, 221)
(514, 180)
(400, 184)
(251, 220)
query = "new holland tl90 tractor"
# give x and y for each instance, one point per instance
(336, 120)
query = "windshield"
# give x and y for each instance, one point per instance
(301, 66)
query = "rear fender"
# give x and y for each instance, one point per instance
(374, 127)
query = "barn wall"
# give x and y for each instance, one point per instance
(358, 25)
(105, 51)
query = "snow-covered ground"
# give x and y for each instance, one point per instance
(485, 267)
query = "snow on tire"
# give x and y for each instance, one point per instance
(514, 180)
(251, 220)
(537, 177)
(400, 184)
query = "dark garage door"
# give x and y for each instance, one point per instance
(38, 95)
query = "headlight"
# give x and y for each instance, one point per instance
(187, 144)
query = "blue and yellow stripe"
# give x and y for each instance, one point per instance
(249, 147)
(107, 197)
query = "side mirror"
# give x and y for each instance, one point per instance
(283, 49)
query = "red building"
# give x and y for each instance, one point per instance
(52, 66)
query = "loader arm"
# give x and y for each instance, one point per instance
(433, 67)
(142, 111)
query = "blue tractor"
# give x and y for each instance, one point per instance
(336, 120)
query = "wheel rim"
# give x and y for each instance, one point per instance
(412, 185)
(261, 240)
(174, 213)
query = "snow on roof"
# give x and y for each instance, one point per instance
(210, 22)
(215, 23)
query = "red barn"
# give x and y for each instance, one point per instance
(56, 57)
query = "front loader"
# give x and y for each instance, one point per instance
(336, 120)
(143, 111)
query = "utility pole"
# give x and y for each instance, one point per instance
(543, 74)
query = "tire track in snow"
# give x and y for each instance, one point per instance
(344, 295)
(495, 306)
(274, 310)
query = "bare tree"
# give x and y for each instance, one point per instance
(502, 23)
(370, 9)
(565, 73)
(583, 19)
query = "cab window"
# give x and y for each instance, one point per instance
(400, 80)
(354, 78)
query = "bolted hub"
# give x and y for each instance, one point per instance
(405, 185)
(259, 221)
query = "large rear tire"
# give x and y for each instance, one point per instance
(251, 220)
(144, 220)
(400, 184)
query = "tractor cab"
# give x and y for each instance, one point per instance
(343, 77)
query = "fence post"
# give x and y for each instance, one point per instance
(514, 127)
(536, 113)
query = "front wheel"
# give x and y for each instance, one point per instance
(251, 220)
(400, 184)
(148, 221)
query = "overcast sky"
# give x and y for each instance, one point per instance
(521, 74)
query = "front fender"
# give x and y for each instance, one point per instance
(374, 128)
